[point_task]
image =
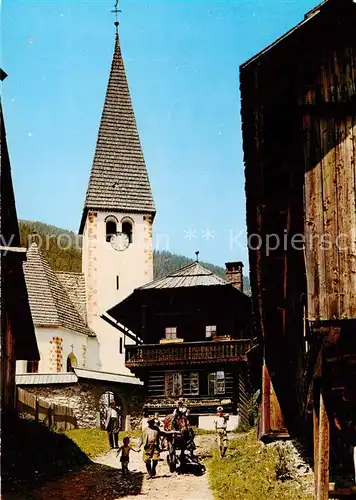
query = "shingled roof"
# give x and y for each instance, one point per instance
(49, 302)
(119, 179)
(191, 275)
(74, 284)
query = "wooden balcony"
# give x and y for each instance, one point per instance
(187, 353)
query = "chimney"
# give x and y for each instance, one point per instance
(234, 274)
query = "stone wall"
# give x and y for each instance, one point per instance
(77, 396)
(84, 398)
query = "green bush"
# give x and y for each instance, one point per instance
(248, 472)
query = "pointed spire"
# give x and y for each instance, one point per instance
(119, 179)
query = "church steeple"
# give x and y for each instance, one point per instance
(119, 181)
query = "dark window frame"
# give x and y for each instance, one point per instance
(211, 331)
(127, 228)
(110, 227)
(217, 385)
(170, 334)
(173, 388)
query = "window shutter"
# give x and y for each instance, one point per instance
(194, 384)
(211, 383)
(169, 385)
(220, 382)
(177, 384)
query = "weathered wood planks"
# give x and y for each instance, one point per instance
(330, 217)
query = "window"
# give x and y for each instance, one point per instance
(117, 282)
(71, 362)
(194, 384)
(121, 345)
(216, 383)
(127, 226)
(210, 331)
(111, 227)
(173, 384)
(171, 332)
(32, 366)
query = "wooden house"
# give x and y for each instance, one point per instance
(299, 133)
(192, 330)
(18, 339)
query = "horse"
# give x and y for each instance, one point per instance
(180, 436)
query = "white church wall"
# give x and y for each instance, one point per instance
(55, 344)
(112, 361)
(133, 266)
(112, 275)
(207, 422)
(92, 354)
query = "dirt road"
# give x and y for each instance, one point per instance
(102, 480)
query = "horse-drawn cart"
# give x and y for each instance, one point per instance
(181, 446)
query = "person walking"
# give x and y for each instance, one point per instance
(221, 430)
(124, 450)
(181, 409)
(150, 443)
(144, 420)
(112, 424)
(158, 423)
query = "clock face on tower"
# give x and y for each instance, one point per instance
(120, 241)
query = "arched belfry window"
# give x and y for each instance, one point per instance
(111, 227)
(127, 228)
(71, 362)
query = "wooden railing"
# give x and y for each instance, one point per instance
(187, 353)
(54, 416)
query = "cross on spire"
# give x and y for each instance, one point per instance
(118, 181)
(116, 11)
(197, 256)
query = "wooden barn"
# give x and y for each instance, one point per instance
(192, 330)
(299, 140)
(18, 339)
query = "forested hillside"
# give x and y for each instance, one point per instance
(62, 249)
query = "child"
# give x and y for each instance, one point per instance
(125, 455)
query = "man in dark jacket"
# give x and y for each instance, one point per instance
(112, 424)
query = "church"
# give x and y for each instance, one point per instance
(82, 358)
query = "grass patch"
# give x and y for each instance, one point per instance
(248, 472)
(94, 442)
(202, 432)
(132, 434)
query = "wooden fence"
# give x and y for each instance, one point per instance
(54, 416)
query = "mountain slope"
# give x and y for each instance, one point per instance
(62, 249)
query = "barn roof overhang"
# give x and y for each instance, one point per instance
(336, 8)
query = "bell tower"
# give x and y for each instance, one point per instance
(117, 217)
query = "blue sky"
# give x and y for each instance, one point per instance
(182, 61)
